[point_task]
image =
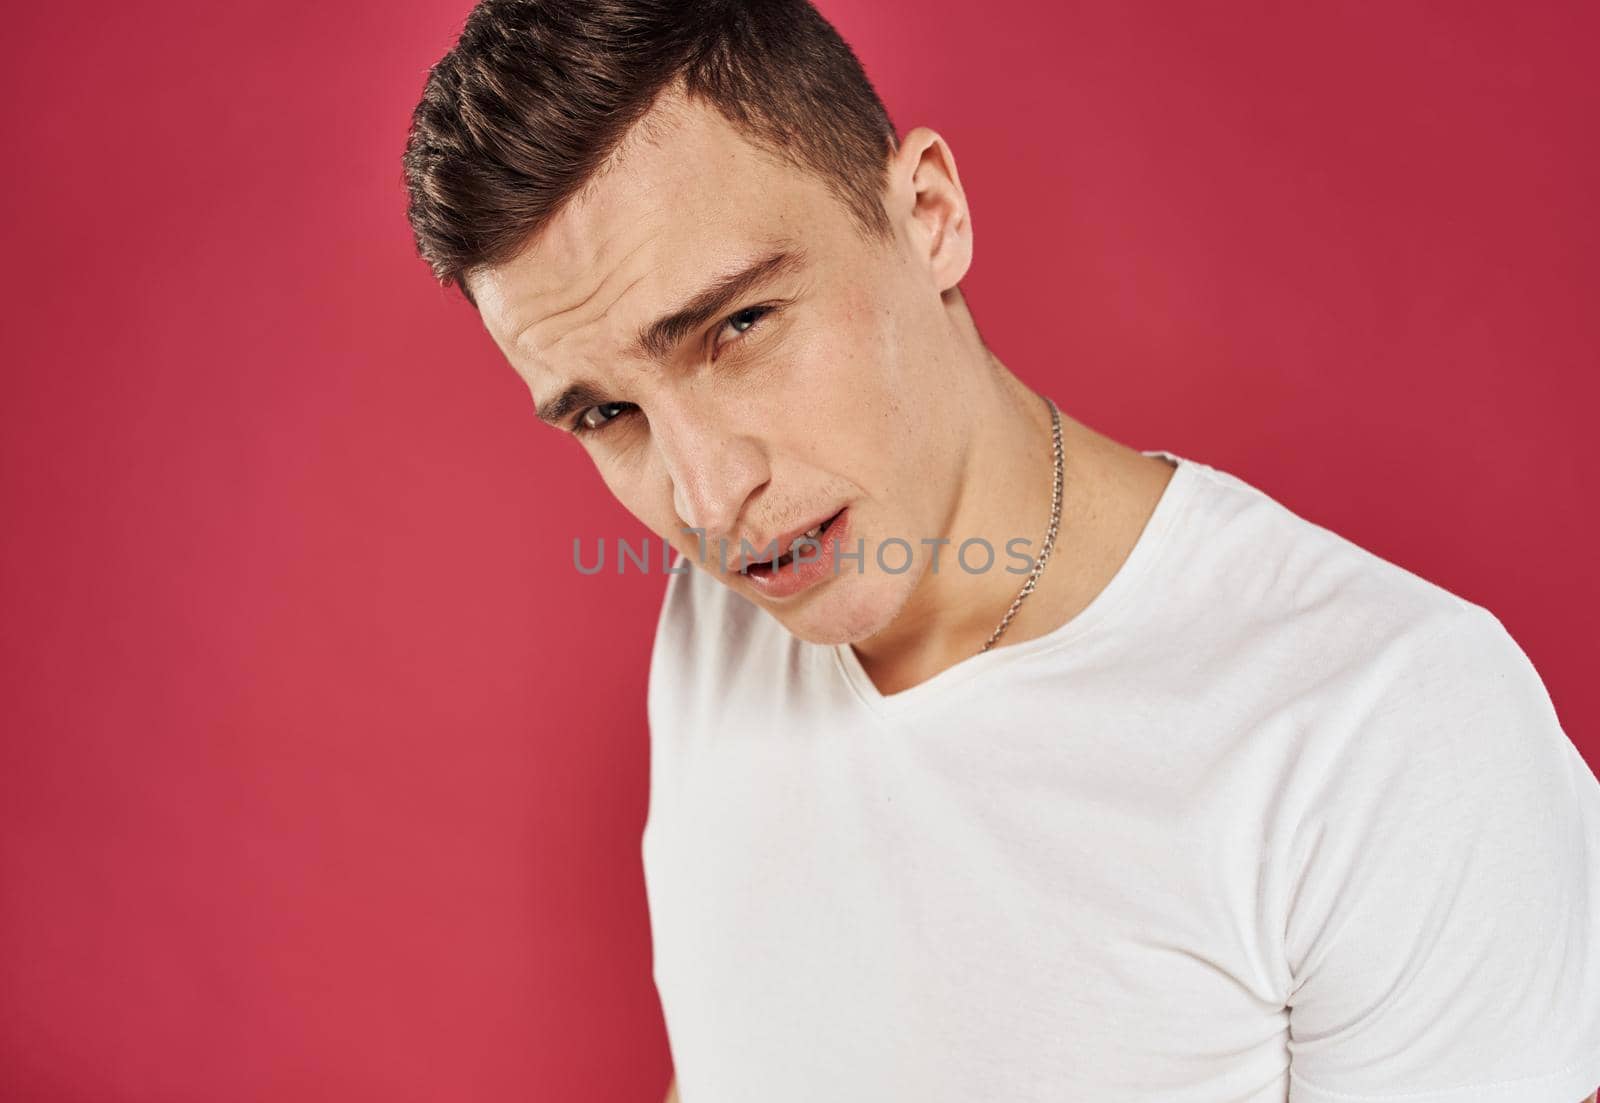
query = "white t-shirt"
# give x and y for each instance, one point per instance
(1271, 818)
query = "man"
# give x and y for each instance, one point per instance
(1173, 795)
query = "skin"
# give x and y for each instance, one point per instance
(865, 385)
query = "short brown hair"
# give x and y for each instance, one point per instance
(536, 94)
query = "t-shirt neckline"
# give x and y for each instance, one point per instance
(1112, 597)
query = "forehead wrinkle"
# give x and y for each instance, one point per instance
(588, 386)
(533, 350)
(517, 338)
(557, 343)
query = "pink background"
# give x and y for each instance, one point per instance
(323, 772)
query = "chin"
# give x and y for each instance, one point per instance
(847, 609)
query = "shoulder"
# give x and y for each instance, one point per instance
(1441, 879)
(701, 615)
(1444, 769)
(1284, 562)
(1399, 689)
(1390, 684)
(704, 631)
(1455, 700)
(1321, 616)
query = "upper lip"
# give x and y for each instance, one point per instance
(782, 542)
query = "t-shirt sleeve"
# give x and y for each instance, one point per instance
(1443, 928)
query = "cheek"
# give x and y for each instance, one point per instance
(829, 417)
(860, 300)
(640, 483)
(836, 409)
(638, 486)
(857, 352)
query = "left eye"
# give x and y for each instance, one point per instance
(597, 416)
(746, 319)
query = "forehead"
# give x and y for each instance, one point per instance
(685, 197)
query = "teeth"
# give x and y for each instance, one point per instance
(794, 547)
(800, 541)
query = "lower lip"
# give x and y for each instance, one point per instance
(798, 575)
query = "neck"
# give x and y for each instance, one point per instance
(1004, 494)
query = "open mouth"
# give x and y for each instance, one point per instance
(805, 541)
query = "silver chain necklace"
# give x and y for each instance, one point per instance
(1050, 533)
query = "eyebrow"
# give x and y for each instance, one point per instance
(657, 340)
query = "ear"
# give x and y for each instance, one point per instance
(927, 200)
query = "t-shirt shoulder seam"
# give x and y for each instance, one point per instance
(1398, 573)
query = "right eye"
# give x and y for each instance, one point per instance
(597, 417)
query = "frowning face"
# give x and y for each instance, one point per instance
(743, 364)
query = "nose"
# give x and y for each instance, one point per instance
(714, 467)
